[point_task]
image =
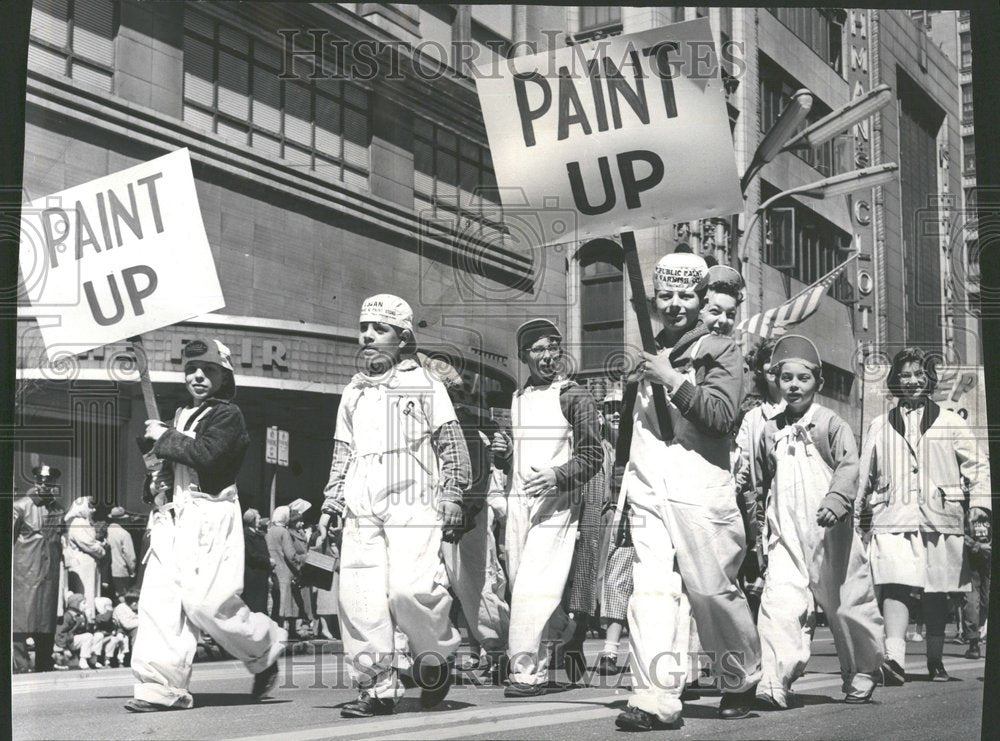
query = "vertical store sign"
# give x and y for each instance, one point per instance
(859, 81)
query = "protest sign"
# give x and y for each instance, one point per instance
(627, 131)
(118, 256)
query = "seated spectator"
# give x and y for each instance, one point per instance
(74, 638)
(126, 618)
(113, 643)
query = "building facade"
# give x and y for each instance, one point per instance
(327, 169)
(339, 151)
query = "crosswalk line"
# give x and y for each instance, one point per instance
(428, 720)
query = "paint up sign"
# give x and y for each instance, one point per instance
(626, 132)
(118, 256)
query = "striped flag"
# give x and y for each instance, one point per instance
(775, 322)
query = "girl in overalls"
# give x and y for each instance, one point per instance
(194, 572)
(808, 466)
(912, 466)
(686, 527)
(400, 467)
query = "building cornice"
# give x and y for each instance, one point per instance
(136, 123)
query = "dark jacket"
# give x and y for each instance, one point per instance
(217, 452)
(256, 569)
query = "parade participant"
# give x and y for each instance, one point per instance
(398, 473)
(82, 553)
(722, 298)
(808, 464)
(686, 527)
(763, 403)
(36, 560)
(194, 572)
(912, 469)
(979, 549)
(617, 553)
(554, 452)
(467, 561)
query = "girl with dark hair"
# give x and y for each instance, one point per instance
(911, 488)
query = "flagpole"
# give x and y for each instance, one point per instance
(815, 283)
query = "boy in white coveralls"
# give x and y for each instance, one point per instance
(808, 464)
(556, 450)
(686, 527)
(400, 466)
(194, 572)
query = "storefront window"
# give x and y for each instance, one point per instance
(75, 38)
(232, 88)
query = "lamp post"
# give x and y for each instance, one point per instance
(830, 187)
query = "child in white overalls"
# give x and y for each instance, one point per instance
(687, 530)
(400, 467)
(194, 569)
(808, 464)
(556, 450)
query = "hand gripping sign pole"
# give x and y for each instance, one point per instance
(640, 305)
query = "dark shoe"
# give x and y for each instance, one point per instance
(434, 681)
(264, 682)
(607, 666)
(141, 706)
(893, 675)
(973, 652)
(690, 693)
(856, 698)
(736, 705)
(634, 719)
(937, 672)
(367, 706)
(520, 689)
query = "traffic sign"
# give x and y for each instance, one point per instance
(282, 447)
(271, 451)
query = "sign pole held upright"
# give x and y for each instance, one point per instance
(641, 308)
(142, 360)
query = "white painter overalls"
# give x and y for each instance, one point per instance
(391, 572)
(193, 581)
(473, 570)
(689, 543)
(808, 562)
(541, 533)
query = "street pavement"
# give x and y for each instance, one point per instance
(88, 705)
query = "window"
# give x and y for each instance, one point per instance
(804, 245)
(967, 103)
(602, 318)
(677, 14)
(969, 154)
(837, 383)
(965, 42)
(232, 89)
(75, 38)
(776, 90)
(971, 201)
(701, 12)
(725, 37)
(604, 17)
(820, 29)
(453, 179)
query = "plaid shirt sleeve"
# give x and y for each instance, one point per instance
(453, 460)
(343, 455)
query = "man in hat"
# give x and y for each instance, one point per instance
(36, 559)
(194, 573)
(122, 551)
(555, 451)
(687, 530)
